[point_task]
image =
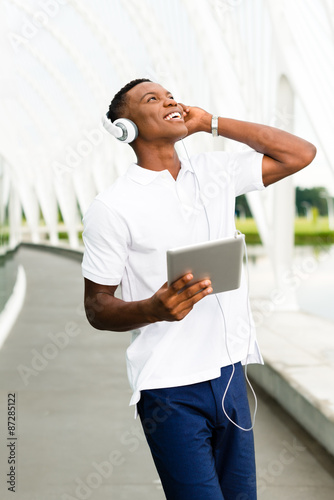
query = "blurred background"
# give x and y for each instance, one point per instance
(267, 61)
(62, 62)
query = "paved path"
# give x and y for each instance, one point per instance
(77, 438)
(298, 347)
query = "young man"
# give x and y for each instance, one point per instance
(183, 350)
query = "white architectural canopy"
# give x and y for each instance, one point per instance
(269, 61)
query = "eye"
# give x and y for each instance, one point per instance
(153, 97)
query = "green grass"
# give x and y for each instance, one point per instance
(304, 226)
(314, 232)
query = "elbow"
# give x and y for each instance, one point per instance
(92, 318)
(99, 322)
(93, 322)
(302, 158)
(308, 155)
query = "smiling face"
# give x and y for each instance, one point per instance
(155, 112)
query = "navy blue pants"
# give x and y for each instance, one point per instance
(199, 454)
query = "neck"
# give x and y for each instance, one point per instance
(159, 158)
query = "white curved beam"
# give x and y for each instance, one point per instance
(44, 96)
(98, 89)
(303, 65)
(109, 44)
(165, 60)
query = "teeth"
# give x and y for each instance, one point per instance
(175, 114)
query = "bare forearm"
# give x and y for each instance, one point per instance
(107, 312)
(285, 148)
(170, 303)
(282, 146)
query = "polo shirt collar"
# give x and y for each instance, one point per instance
(145, 176)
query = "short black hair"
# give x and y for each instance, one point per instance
(117, 105)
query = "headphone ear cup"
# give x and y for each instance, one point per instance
(129, 129)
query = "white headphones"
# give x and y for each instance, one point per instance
(123, 129)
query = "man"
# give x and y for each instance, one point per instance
(183, 350)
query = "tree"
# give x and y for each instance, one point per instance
(312, 197)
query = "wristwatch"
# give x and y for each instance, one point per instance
(214, 126)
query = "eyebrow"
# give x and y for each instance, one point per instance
(153, 93)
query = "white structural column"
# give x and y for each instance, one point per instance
(15, 218)
(68, 206)
(45, 193)
(284, 211)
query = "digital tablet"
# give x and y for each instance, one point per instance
(218, 260)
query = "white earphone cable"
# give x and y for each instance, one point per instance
(224, 321)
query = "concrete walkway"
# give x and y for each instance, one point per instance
(298, 347)
(76, 436)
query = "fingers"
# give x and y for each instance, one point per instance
(188, 297)
(181, 282)
(190, 293)
(186, 108)
(194, 293)
(174, 302)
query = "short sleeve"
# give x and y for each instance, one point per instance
(106, 241)
(247, 167)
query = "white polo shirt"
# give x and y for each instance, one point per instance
(127, 230)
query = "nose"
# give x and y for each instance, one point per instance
(170, 101)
